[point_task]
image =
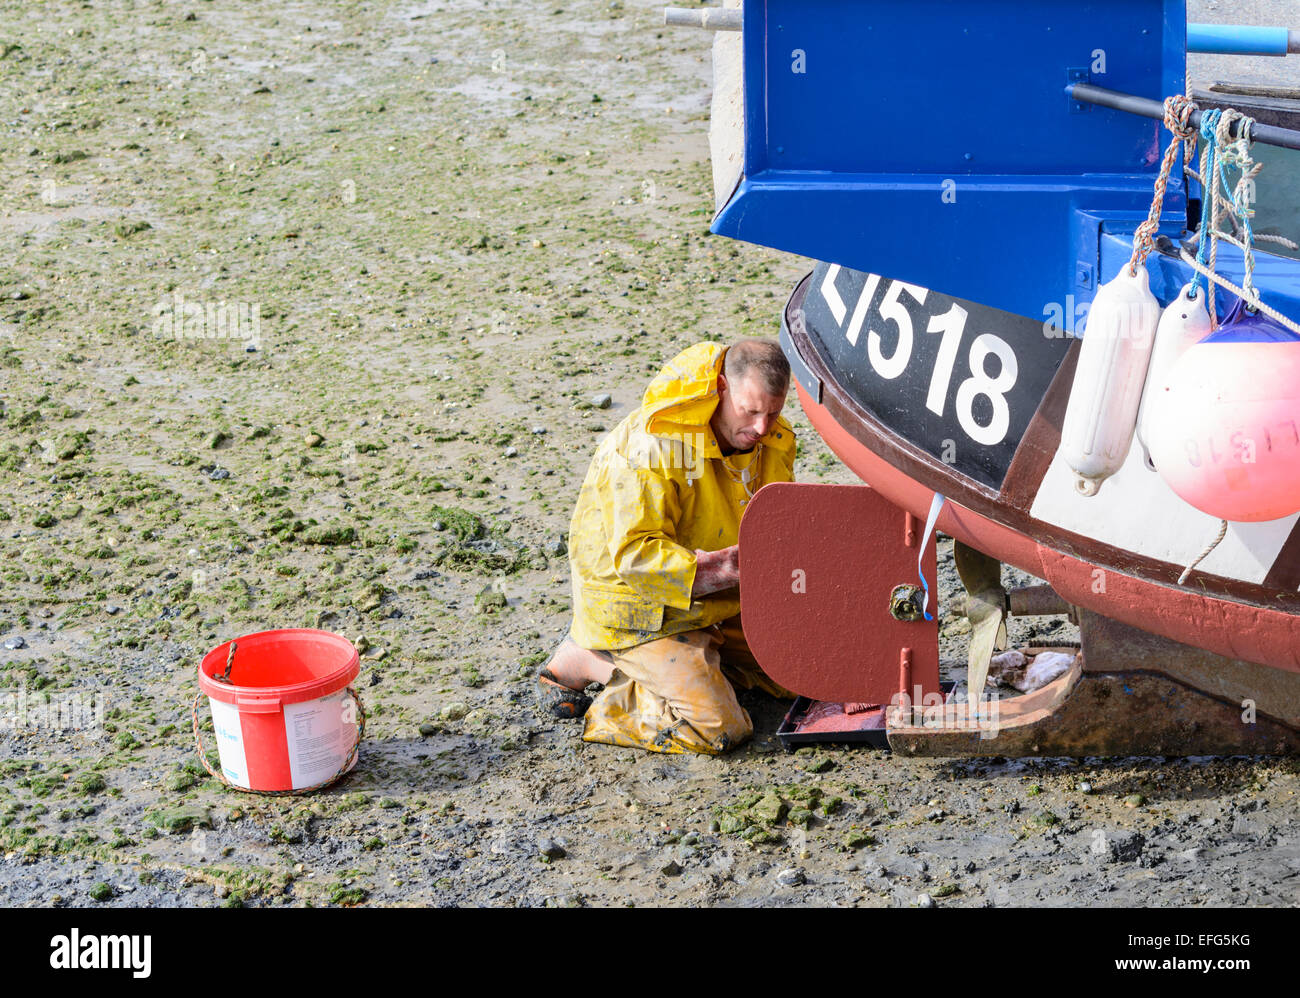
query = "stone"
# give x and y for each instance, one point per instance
(550, 849)
(792, 877)
(490, 600)
(178, 820)
(729, 824)
(1120, 846)
(769, 809)
(329, 534)
(454, 711)
(602, 401)
(16, 642)
(512, 452)
(924, 901)
(671, 869)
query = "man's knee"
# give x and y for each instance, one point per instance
(717, 717)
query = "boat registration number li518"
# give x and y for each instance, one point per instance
(953, 377)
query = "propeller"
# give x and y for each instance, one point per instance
(986, 608)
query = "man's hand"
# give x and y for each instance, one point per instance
(716, 570)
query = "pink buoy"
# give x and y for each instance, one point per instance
(1225, 422)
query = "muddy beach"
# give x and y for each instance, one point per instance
(436, 249)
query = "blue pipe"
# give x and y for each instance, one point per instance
(1241, 39)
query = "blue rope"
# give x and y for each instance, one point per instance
(1209, 122)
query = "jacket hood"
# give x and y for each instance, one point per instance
(681, 400)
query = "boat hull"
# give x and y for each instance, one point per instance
(1011, 518)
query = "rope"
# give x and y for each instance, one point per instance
(1178, 112)
(1220, 153)
(1236, 153)
(1223, 282)
(203, 758)
(1259, 237)
(1223, 532)
(1209, 119)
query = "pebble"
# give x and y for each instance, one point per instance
(1085, 788)
(1120, 846)
(924, 901)
(16, 642)
(671, 868)
(439, 525)
(602, 401)
(550, 848)
(792, 877)
(557, 548)
(512, 451)
(539, 431)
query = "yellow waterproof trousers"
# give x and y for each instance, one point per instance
(677, 694)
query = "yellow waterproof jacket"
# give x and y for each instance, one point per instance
(659, 488)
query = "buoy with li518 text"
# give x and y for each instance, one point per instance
(1225, 428)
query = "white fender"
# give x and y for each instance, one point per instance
(1107, 391)
(1183, 324)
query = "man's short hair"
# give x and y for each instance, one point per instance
(761, 359)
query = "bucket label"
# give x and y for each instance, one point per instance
(230, 742)
(318, 738)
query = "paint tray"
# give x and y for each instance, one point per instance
(817, 722)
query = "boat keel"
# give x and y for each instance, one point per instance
(1127, 693)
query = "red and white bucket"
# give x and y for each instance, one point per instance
(285, 717)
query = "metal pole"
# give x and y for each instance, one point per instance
(1087, 93)
(1241, 39)
(709, 18)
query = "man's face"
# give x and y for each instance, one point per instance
(745, 412)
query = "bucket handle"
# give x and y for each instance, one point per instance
(356, 745)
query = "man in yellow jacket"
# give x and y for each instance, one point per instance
(653, 553)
